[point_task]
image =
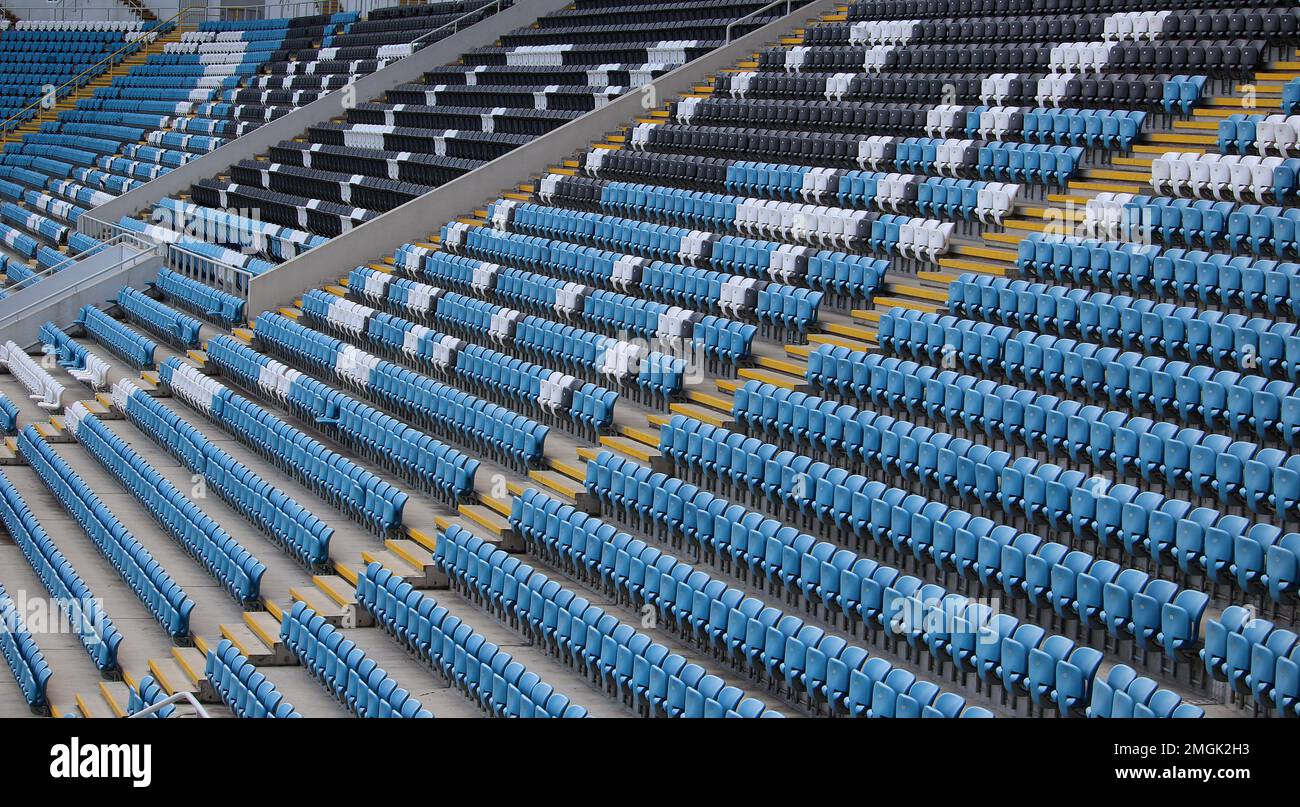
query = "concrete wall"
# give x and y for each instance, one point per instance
(445, 51)
(95, 280)
(418, 217)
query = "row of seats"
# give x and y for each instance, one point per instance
(590, 405)
(1122, 693)
(1220, 399)
(1243, 133)
(815, 664)
(509, 437)
(246, 691)
(8, 415)
(269, 508)
(1212, 466)
(233, 566)
(357, 682)
(85, 614)
(218, 306)
(121, 339)
(45, 391)
(1258, 228)
(1211, 337)
(583, 634)
(177, 328)
(818, 491)
(143, 574)
(433, 466)
(720, 338)
(944, 541)
(1242, 282)
(1259, 661)
(29, 667)
(514, 381)
(1224, 176)
(334, 478)
(80, 363)
(483, 671)
(1237, 551)
(148, 693)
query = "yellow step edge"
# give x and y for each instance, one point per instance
(422, 538)
(920, 292)
(118, 709)
(643, 436)
(632, 448)
(572, 470)
(407, 555)
(253, 624)
(780, 365)
(499, 505)
(853, 345)
(852, 332)
(709, 399)
(346, 572)
(329, 589)
(82, 706)
(767, 377)
(706, 415)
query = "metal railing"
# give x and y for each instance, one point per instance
(126, 239)
(789, 4)
(47, 104)
(187, 697)
(180, 259)
(458, 23)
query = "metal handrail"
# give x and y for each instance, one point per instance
(64, 291)
(105, 65)
(168, 250)
(188, 697)
(755, 13)
(497, 7)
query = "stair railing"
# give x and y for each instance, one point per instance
(42, 109)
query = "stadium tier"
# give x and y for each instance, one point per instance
(936, 359)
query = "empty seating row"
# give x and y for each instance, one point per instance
(233, 566)
(146, 694)
(721, 339)
(85, 614)
(1259, 661)
(216, 305)
(334, 478)
(1258, 228)
(1183, 274)
(1258, 344)
(1262, 133)
(8, 415)
(431, 465)
(1224, 176)
(80, 363)
(510, 437)
(1220, 399)
(246, 691)
(514, 381)
(483, 671)
(814, 664)
(589, 405)
(572, 628)
(47, 392)
(1211, 466)
(941, 540)
(21, 653)
(177, 328)
(143, 574)
(357, 682)
(1123, 693)
(818, 491)
(266, 506)
(121, 339)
